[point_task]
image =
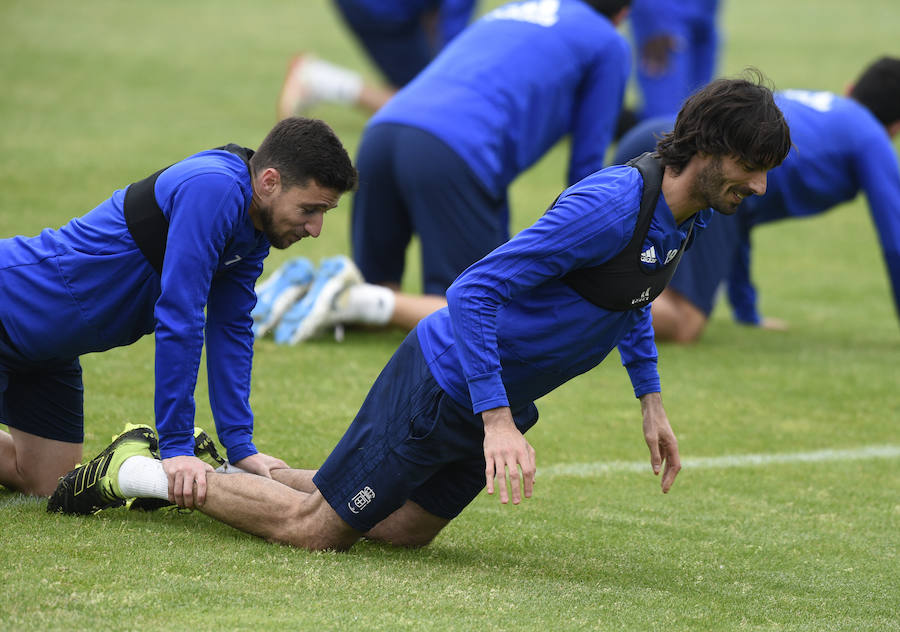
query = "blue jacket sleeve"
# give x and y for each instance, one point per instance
(879, 176)
(566, 237)
(204, 210)
(640, 357)
(741, 292)
(598, 105)
(229, 354)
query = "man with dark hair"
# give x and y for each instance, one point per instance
(843, 146)
(447, 414)
(175, 254)
(438, 158)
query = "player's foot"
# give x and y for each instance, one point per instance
(316, 311)
(279, 292)
(310, 80)
(204, 449)
(94, 486)
(296, 94)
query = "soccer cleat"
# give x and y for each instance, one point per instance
(94, 486)
(279, 292)
(204, 449)
(318, 309)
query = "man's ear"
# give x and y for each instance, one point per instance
(270, 181)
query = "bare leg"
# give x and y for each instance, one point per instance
(409, 526)
(676, 319)
(273, 511)
(409, 309)
(301, 480)
(372, 97)
(32, 464)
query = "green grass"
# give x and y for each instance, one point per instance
(97, 94)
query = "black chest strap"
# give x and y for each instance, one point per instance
(145, 220)
(622, 283)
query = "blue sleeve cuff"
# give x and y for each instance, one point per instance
(236, 453)
(487, 391)
(177, 444)
(644, 376)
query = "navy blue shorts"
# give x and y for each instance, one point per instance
(400, 48)
(705, 265)
(41, 398)
(411, 182)
(409, 441)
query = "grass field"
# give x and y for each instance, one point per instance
(785, 517)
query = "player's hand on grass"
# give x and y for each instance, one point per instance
(773, 324)
(187, 480)
(261, 464)
(660, 439)
(507, 451)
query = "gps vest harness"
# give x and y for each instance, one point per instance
(622, 283)
(145, 220)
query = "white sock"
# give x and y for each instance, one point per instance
(143, 477)
(228, 468)
(366, 303)
(332, 83)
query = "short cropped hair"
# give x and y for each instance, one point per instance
(302, 149)
(609, 8)
(878, 88)
(729, 117)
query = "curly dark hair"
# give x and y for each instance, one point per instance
(729, 117)
(302, 149)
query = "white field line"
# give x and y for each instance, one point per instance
(588, 470)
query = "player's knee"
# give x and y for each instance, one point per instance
(688, 331)
(38, 483)
(308, 522)
(415, 540)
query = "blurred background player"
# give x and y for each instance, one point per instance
(436, 161)
(842, 145)
(676, 45)
(399, 36)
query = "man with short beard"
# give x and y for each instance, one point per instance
(843, 147)
(176, 254)
(448, 413)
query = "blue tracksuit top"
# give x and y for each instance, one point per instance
(515, 82)
(513, 331)
(840, 148)
(86, 287)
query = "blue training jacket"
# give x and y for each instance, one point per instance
(515, 82)
(840, 149)
(513, 331)
(86, 287)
